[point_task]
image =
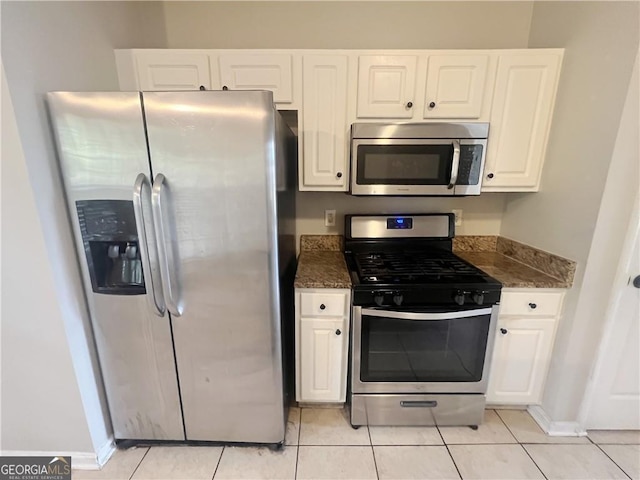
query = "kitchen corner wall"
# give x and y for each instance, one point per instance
(601, 42)
(352, 25)
(52, 398)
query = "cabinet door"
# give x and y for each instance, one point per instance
(158, 71)
(521, 114)
(386, 86)
(520, 360)
(264, 71)
(322, 355)
(455, 86)
(324, 110)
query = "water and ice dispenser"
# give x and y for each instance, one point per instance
(111, 246)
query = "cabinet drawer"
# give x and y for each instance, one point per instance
(322, 304)
(530, 303)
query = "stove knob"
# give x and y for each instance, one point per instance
(478, 297)
(397, 299)
(379, 299)
(459, 297)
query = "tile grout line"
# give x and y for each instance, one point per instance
(455, 465)
(139, 463)
(520, 443)
(295, 472)
(218, 463)
(507, 427)
(534, 462)
(614, 462)
(373, 452)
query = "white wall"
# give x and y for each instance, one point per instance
(52, 397)
(481, 215)
(345, 24)
(600, 41)
(602, 284)
(359, 25)
(34, 345)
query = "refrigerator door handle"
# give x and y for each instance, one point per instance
(156, 301)
(168, 266)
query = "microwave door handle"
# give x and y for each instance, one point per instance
(371, 312)
(455, 164)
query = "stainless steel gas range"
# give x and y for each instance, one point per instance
(423, 323)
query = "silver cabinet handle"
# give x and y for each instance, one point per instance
(156, 301)
(374, 312)
(168, 267)
(455, 164)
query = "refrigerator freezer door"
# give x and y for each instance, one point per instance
(102, 149)
(216, 150)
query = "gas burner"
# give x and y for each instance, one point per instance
(416, 266)
(389, 268)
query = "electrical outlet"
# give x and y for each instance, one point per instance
(458, 213)
(329, 218)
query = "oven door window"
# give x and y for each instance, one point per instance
(452, 350)
(404, 164)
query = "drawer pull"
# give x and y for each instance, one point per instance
(533, 306)
(322, 306)
(418, 403)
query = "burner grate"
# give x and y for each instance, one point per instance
(412, 267)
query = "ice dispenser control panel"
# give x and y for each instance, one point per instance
(110, 242)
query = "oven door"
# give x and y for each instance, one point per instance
(404, 166)
(422, 351)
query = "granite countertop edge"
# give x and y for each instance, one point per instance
(321, 264)
(322, 269)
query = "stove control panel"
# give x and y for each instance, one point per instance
(419, 297)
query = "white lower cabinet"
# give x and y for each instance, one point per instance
(322, 342)
(523, 345)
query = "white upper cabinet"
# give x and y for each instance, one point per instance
(327, 90)
(456, 86)
(386, 86)
(324, 113)
(257, 71)
(523, 101)
(172, 70)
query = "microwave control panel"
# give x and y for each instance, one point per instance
(470, 165)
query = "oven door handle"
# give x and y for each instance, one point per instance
(374, 312)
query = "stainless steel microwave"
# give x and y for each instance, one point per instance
(442, 159)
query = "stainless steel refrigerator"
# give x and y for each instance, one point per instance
(182, 206)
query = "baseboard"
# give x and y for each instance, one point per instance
(79, 460)
(555, 429)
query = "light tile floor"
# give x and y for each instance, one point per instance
(320, 444)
